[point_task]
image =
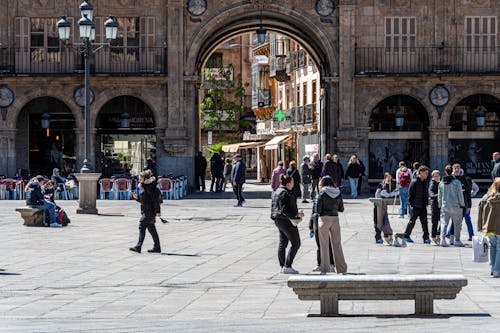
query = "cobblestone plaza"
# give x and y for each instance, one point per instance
(218, 272)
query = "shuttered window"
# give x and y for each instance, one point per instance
(480, 33)
(400, 34)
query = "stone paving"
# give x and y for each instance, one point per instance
(218, 272)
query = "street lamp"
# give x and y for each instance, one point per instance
(87, 33)
(481, 116)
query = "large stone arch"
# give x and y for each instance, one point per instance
(454, 100)
(25, 97)
(108, 94)
(275, 17)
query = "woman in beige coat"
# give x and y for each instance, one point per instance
(489, 222)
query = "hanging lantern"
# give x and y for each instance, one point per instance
(399, 119)
(45, 120)
(125, 120)
(480, 116)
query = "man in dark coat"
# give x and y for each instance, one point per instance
(200, 168)
(419, 199)
(217, 170)
(316, 168)
(238, 179)
(334, 169)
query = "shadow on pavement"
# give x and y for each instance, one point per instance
(180, 254)
(382, 316)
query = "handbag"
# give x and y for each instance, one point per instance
(480, 246)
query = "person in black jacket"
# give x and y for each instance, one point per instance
(283, 209)
(200, 167)
(418, 200)
(362, 174)
(313, 230)
(238, 179)
(293, 172)
(36, 199)
(353, 173)
(316, 168)
(328, 206)
(149, 197)
(217, 170)
(333, 168)
(435, 211)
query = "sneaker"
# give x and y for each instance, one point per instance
(458, 244)
(408, 240)
(435, 241)
(237, 205)
(289, 270)
(55, 225)
(496, 274)
(379, 241)
(443, 242)
(317, 269)
(427, 241)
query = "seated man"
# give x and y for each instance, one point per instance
(59, 181)
(35, 199)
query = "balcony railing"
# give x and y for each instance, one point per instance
(261, 98)
(302, 115)
(114, 60)
(427, 60)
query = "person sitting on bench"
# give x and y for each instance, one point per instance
(35, 199)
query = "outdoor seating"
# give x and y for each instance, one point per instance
(165, 185)
(106, 187)
(122, 188)
(424, 289)
(9, 189)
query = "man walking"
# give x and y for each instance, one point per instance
(418, 198)
(200, 167)
(316, 168)
(334, 169)
(238, 179)
(305, 176)
(451, 201)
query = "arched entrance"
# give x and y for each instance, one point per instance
(398, 132)
(125, 136)
(474, 134)
(45, 138)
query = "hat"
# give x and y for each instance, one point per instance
(238, 156)
(305, 158)
(55, 170)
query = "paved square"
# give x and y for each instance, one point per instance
(218, 273)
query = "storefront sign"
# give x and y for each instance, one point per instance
(473, 155)
(209, 138)
(311, 149)
(136, 121)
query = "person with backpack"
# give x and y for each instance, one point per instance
(403, 180)
(149, 197)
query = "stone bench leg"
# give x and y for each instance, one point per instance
(329, 304)
(424, 303)
(34, 219)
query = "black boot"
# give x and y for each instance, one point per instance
(136, 249)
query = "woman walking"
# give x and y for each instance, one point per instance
(488, 221)
(283, 211)
(354, 171)
(328, 207)
(150, 208)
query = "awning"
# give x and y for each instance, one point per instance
(274, 142)
(234, 147)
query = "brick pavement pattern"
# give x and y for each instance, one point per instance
(218, 272)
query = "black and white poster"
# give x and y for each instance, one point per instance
(473, 155)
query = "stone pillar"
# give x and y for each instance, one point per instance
(363, 155)
(347, 38)
(79, 147)
(329, 115)
(438, 147)
(87, 183)
(8, 152)
(424, 303)
(329, 304)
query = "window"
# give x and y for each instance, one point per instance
(314, 93)
(480, 33)
(215, 60)
(128, 32)
(304, 94)
(44, 39)
(297, 96)
(400, 34)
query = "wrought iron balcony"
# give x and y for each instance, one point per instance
(302, 115)
(114, 60)
(261, 98)
(375, 61)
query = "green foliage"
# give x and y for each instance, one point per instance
(223, 101)
(217, 148)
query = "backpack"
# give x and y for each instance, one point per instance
(404, 178)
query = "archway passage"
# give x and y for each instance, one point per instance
(126, 139)
(45, 137)
(398, 132)
(474, 134)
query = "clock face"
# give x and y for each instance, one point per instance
(6, 97)
(79, 96)
(439, 95)
(325, 7)
(197, 7)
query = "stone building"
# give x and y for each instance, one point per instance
(428, 66)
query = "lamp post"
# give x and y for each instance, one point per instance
(87, 179)
(87, 33)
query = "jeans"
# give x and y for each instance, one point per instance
(315, 187)
(143, 225)
(353, 183)
(420, 213)
(403, 198)
(288, 232)
(495, 253)
(305, 191)
(50, 209)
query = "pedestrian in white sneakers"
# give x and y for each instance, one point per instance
(451, 202)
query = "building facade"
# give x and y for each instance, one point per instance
(431, 64)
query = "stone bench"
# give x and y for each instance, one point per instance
(32, 217)
(388, 201)
(424, 289)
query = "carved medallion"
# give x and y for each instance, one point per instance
(197, 7)
(325, 7)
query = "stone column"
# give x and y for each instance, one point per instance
(438, 147)
(79, 147)
(87, 183)
(329, 304)
(329, 115)
(424, 303)
(8, 152)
